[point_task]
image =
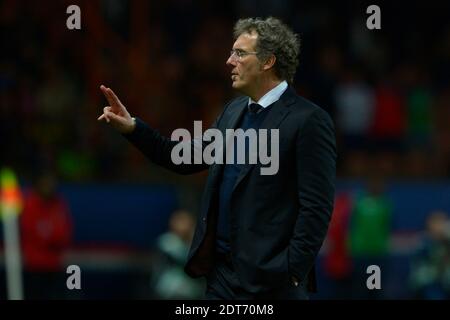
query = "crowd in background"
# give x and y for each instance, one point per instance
(388, 92)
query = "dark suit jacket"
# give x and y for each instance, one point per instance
(278, 222)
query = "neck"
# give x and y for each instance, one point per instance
(263, 88)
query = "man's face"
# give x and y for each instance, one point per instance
(246, 70)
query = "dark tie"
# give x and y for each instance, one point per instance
(254, 108)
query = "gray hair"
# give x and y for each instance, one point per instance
(274, 37)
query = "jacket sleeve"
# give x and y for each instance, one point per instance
(158, 148)
(316, 172)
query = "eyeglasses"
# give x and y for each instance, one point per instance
(239, 54)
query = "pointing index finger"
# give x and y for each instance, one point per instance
(113, 95)
(113, 100)
(105, 93)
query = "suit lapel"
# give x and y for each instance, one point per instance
(236, 116)
(278, 111)
(230, 123)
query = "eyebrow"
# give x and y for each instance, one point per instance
(240, 49)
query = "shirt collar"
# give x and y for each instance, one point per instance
(271, 96)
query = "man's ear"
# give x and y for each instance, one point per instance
(269, 63)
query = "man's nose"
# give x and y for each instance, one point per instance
(230, 62)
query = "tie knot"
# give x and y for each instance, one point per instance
(254, 108)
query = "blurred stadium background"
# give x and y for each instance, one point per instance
(92, 200)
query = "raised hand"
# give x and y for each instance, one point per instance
(116, 114)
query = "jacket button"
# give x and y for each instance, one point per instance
(204, 219)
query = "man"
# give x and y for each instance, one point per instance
(46, 230)
(257, 236)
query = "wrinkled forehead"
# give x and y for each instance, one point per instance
(246, 41)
